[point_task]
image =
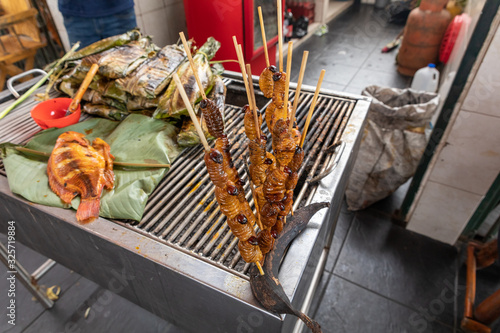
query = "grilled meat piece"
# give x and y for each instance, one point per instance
(76, 167)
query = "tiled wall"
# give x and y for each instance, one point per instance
(468, 162)
(162, 19)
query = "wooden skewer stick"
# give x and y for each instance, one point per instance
(280, 34)
(193, 67)
(288, 72)
(248, 83)
(191, 111)
(126, 164)
(311, 109)
(259, 266)
(254, 103)
(243, 71)
(263, 32)
(299, 86)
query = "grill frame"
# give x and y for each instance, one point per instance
(221, 299)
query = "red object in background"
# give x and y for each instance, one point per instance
(450, 37)
(302, 9)
(224, 19)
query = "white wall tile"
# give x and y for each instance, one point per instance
(443, 212)
(484, 96)
(155, 24)
(471, 158)
(146, 6)
(176, 20)
(171, 2)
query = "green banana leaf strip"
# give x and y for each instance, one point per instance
(137, 139)
(171, 103)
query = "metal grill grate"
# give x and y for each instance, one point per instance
(182, 211)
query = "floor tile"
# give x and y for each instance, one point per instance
(392, 203)
(320, 292)
(67, 309)
(406, 267)
(384, 62)
(343, 224)
(367, 77)
(347, 307)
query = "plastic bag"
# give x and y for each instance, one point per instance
(392, 145)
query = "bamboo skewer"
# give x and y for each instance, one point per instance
(255, 116)
(193, 67)
(299, 86)
(280, 34)
(248, 82)
(243, 71)
(259, 266)
(263, 32)
(140, 165)
(311, 109)
(189, 107)
(288, 72)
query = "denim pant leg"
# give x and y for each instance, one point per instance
(90, 30)
(116, 24)
(81, 29)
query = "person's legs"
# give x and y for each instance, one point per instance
(116, 24)
(81, 29)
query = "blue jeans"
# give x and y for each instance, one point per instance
(90, 30)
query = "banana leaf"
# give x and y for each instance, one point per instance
(188, 136)
(120, 61)
(171, 103)
(112, 90)
(137, 139)
(153, 76)
(101, 46)
(139, 103)
(105, 111)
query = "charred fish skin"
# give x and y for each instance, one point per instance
(266, 288)
(76, 167)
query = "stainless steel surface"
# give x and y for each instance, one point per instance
(22, 275)
(181, 255)
(20, 76)
(42, 270)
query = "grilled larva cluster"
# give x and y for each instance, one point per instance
(229, 190)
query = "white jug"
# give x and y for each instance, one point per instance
(426, 79)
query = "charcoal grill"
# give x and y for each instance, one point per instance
(181, 261)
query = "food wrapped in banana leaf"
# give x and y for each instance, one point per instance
(120, 61)
(171, 103)
(153, 76)
(102, 45)
(139, 103)
(105, 111)
(188, 135)
(95, 97)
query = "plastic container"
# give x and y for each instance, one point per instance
(426, 79)
(424, 30)
(52, 113)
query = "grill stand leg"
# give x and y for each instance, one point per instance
(26, 279)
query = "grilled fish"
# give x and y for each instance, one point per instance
(76, 167)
